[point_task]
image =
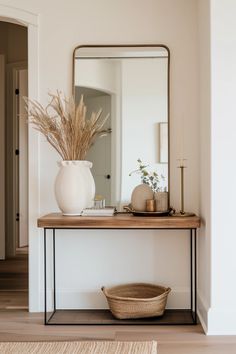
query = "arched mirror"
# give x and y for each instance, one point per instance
(131, 83)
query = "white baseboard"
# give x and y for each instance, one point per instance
(202, 312)
(221, 321)
(216, 321)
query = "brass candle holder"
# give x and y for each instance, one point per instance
(150, 205)
(182, 212)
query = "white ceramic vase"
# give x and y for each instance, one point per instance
(74, 187)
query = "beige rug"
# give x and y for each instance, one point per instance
(78, 347)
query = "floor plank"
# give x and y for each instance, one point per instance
(14, 273)
(14, 299)
(14, 281)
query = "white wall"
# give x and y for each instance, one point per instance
(217, 243)
(62, 27)
(222, 314)
(204, 240)
(96, 74)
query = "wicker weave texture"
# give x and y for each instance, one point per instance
(136, 300)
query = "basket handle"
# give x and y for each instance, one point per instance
(168, 290)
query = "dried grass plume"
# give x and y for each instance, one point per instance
(65, 126)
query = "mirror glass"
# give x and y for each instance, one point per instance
(131, 84)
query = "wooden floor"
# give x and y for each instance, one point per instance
(14, 281)
(22, 326)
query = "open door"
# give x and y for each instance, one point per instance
(17, 158)
(2, 157)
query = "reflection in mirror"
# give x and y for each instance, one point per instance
(100, 152)
(131, 84)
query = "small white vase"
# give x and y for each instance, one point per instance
(74, 187)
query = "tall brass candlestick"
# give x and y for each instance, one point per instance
(182, 212)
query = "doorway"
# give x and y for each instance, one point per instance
(14, 171)
(100, 151)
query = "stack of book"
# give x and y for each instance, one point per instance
(107, 211)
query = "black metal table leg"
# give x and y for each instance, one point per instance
(45, 276)
(191, 269)
(54, 271)
(46, 319)
(195, 275)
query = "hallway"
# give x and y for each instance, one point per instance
(14, 282)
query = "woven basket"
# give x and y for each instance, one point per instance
(136, 300)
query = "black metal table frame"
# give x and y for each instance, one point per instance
(193, 275)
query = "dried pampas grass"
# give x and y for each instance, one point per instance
(65, 126)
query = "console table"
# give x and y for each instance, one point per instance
(120, 221)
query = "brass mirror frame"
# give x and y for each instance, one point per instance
(168, 82)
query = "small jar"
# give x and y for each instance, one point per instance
(150, 204)
(99, 202)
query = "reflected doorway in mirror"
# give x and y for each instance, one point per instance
(100, 151)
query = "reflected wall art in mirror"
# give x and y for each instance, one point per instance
(131, 84)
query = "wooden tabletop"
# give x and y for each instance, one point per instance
(118, 221)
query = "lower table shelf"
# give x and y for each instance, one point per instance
(104, 317)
